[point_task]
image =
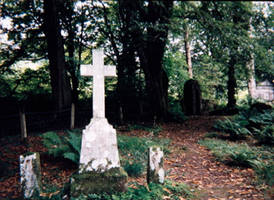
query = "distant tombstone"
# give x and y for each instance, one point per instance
(265, 91)
(99, 169)
(155, 170)
(192, 98)
(30, 175)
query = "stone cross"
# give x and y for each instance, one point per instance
(98, 70)
(99, 165)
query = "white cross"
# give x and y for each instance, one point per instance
(98, 70)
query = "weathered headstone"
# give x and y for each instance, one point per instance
(99, 169)
(192, 98)
(155, 169)
(30, 175)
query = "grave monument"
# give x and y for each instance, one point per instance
(30, 175)
(99, 168)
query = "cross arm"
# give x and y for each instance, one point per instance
(110, 70)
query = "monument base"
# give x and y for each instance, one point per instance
(92, 182)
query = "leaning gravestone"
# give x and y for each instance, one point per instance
(99, 169)
(30, 175)
(155, 170)
(192, 98)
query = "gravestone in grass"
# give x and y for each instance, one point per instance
(30, 175)
(155, 170)
(99, 169)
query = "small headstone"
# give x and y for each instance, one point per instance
(156, 172)
(192, 98)
(30, 175)
(99, 169)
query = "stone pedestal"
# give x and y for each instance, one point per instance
(99, 169)
(155, 170)
(99, 150)
(92, 182)
(30, 175)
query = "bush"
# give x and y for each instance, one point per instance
(264, 136)
(154, 129)
(234, 129)
(259, 158)
(169, 190)
(134, 169)
(134, 152)
(63, 146)
(265, 172)
(132, 149)
(236, 154)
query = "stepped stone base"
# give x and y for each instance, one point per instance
(93, 182)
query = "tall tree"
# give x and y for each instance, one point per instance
(61, 90)
(226, 26)
(188, 51)
(151, 47)
(251, 81)
(139, 41)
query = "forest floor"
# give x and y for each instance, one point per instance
(188, 162)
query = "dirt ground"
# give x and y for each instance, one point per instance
(188, 162)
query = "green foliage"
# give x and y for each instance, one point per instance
(265, 172)
(170, 190)
(260, 124)
(175, 67)
(212, 135)
(260, 119)
(54, 144)
(233, 128)
(132, 149)
(264, 136)
(259, 158)
(134, 152)
(236, 154)
(175, 110)
(154, 129)
(134, 169)
(63, 146)
(24, 84)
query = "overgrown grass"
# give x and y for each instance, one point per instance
(133, 153)
(155, 129)
(133, 150)
(250, 122)
(261, 159)
(232, 153)
(169, 190)
(67, 146)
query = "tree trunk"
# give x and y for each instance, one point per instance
(151, 55)
(59, 80)
(251, 83)
(73, 66)
(251, 78)
(231, 84)
(188, 52)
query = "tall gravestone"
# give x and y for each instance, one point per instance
(30, 175)
(155, 168)
(192, 98)
(99, 169)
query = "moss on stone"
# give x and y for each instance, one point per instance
(93, 182)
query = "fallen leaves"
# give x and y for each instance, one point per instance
(188, 162)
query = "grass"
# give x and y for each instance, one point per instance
(133, 153)
(260, 158)
(133, 150)
(153, 129)
(169, 190)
